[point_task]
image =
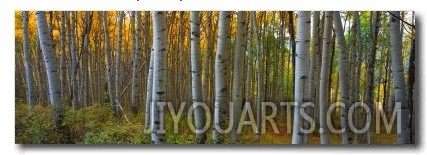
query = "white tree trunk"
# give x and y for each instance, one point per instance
(399, 80)
(118, 59)
(196, 70)
(221, 68)
(324, 78)
(149, 93)
(159, 77)
(135, 66)
(108, 57)
(238, 80)
(302, 65)
(313, 73)
(51, 69)
(343, 78)
(27, 58)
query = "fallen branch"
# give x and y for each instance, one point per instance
(124, 114)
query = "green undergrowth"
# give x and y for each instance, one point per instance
(98, 125)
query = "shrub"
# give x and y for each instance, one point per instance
(34, 127)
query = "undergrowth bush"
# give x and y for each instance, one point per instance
(89, 125)
(34, 127)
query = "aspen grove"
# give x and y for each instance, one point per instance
(215, 77)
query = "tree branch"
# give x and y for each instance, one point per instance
(413, 26)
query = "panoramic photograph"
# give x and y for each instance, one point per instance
(216, 77)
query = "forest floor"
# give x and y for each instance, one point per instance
(97, 125)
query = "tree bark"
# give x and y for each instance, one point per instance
(324, 78)
(118, 63)
(221, 72)
(62, 58)
(149, 93)
(398, 80)
(85, 52)
(313, 73)
(135, 66)
(74, 61)
(343, 78)
(27, 58)
(108, 58)
(238, 81)
(159, 76)
(196, 69)
(358, 59)
(302, 65)
(51, 70)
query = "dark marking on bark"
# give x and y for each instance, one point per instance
(196, 34)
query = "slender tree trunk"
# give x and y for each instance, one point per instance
(343, 78)
(135, 65)
(62, 58)
(238, 80)
(358, 59)
(248, 85)
(27, 58)
(411, 89)
(313, 75)
(221, 72)
(149, 68)
(118, 65)
(386, 82)
(74, 60)
(52, 71)
(149, 92)
(302, 65)
(158, 133)
(196, 69)
(324, 79)
(108, 58)
(411, 85)
(403, 133)
(85, 52)
(293, 44)
(259, 71)
(206, 59)
(181, 86)
(371, 67)
(282, 55)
